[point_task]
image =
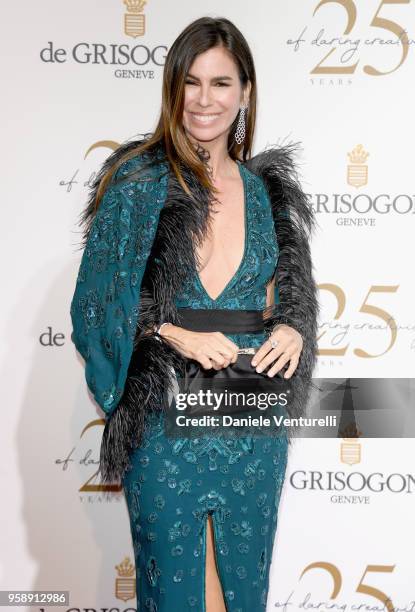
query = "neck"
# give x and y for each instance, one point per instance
(219, 163)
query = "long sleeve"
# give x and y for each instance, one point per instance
(105, 306)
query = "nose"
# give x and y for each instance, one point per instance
(204, 95)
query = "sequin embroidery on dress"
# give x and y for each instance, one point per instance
(175, 484)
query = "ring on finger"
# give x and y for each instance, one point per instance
(273, 343)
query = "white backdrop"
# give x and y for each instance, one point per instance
(63, 112)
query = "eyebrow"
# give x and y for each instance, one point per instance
(218, 78)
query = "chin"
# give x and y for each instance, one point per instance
(204, 135)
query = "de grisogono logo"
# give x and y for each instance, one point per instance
(357, 207)
(354, 486)
(137, 61)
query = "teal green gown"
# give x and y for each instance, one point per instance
(174, 484)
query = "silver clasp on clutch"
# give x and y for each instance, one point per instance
(246, 351)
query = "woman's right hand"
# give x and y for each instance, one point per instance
(210, 349)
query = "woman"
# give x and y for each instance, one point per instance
(185, 222)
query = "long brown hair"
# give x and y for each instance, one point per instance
(199, 36)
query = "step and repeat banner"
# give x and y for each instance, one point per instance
(79, 79)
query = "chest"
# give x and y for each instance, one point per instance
(243, 282)
(224, 243)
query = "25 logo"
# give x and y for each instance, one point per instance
(377, 22)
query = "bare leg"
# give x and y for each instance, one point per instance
(214, 594)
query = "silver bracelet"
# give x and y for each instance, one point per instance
(159, 328)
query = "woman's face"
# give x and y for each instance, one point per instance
(213, 95)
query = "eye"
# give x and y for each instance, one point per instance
(221, 84)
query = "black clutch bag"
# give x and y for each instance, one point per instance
(244, 389)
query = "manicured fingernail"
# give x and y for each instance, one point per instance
(259, 369)
(253, 362)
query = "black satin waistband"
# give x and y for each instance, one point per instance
(223, 320)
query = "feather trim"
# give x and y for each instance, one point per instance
(294, 224)
(149, 378)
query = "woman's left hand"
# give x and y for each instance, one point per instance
(288, 349)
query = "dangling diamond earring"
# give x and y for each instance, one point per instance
(240, 128)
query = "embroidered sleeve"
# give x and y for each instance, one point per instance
(105, 306)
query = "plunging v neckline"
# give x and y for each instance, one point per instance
(241, 263)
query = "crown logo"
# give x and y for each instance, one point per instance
(357, 170)
(125, 583)
(350, 432)
(134, 20)
(358, 155)
(135, 6)
(125, 568)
